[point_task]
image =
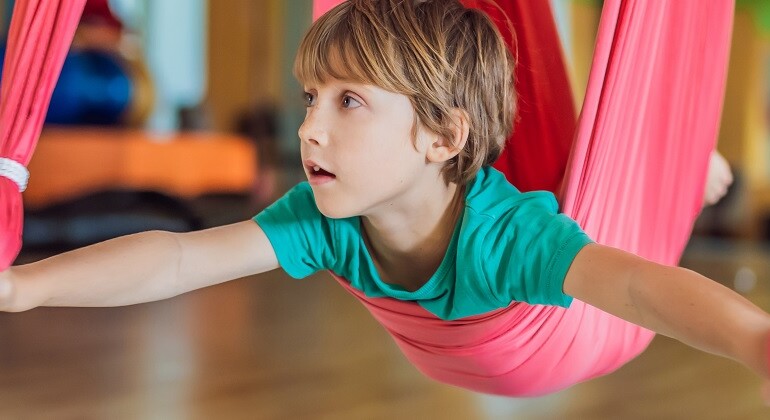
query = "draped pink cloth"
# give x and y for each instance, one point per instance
(38, 40)
(522, 350)
(635, 181)
(649, 123)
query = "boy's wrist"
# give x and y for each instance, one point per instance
(7, 291)
(16, 295)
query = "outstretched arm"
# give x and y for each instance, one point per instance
(672, 301)
(138, 268)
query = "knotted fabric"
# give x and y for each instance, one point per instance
(39, 37)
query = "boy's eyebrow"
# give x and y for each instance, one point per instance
(363, 87)
(347, 85)
(358, 86)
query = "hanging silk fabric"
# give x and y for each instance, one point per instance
(545, 114)
(635, 180)
(39, 37)
(649, 123)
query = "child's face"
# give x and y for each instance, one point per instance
(358, 149)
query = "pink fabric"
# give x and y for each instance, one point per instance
(322, 6)
(635, 181)
(39, 37)
(522, 350)
(649, 123)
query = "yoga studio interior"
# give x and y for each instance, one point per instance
(182, 115)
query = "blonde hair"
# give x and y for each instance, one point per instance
(440, 54)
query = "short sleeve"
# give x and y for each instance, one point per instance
(530, 250)
(301, 236)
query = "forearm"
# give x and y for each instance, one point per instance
(123, 271)
(672, 301)
(699, 312)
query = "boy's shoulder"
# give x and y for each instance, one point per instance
(512, 240)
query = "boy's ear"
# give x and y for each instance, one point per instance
(442, 149)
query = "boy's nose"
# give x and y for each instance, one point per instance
(312, 132)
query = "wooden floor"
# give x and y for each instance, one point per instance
(274, 348)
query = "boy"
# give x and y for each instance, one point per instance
(408, 103)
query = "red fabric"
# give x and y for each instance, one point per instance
(98, 12)
(536, 154)
(40, 35)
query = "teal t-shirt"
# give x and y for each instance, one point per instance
(507, 246)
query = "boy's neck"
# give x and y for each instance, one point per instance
(408, 245)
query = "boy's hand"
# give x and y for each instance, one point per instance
(719, 179)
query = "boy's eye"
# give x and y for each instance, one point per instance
(308, 98)
(350, 102)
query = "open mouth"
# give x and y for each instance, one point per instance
(317, 175)
(319, 171)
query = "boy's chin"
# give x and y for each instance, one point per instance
(334, 210)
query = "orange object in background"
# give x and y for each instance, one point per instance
(71, 162)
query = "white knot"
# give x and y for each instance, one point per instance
(14, 171)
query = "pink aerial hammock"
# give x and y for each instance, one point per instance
(38, 40)
(634, 180)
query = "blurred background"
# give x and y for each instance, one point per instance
(183, 114)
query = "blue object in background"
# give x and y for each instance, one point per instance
(93, 88)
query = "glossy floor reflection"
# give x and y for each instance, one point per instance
(274, 348)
